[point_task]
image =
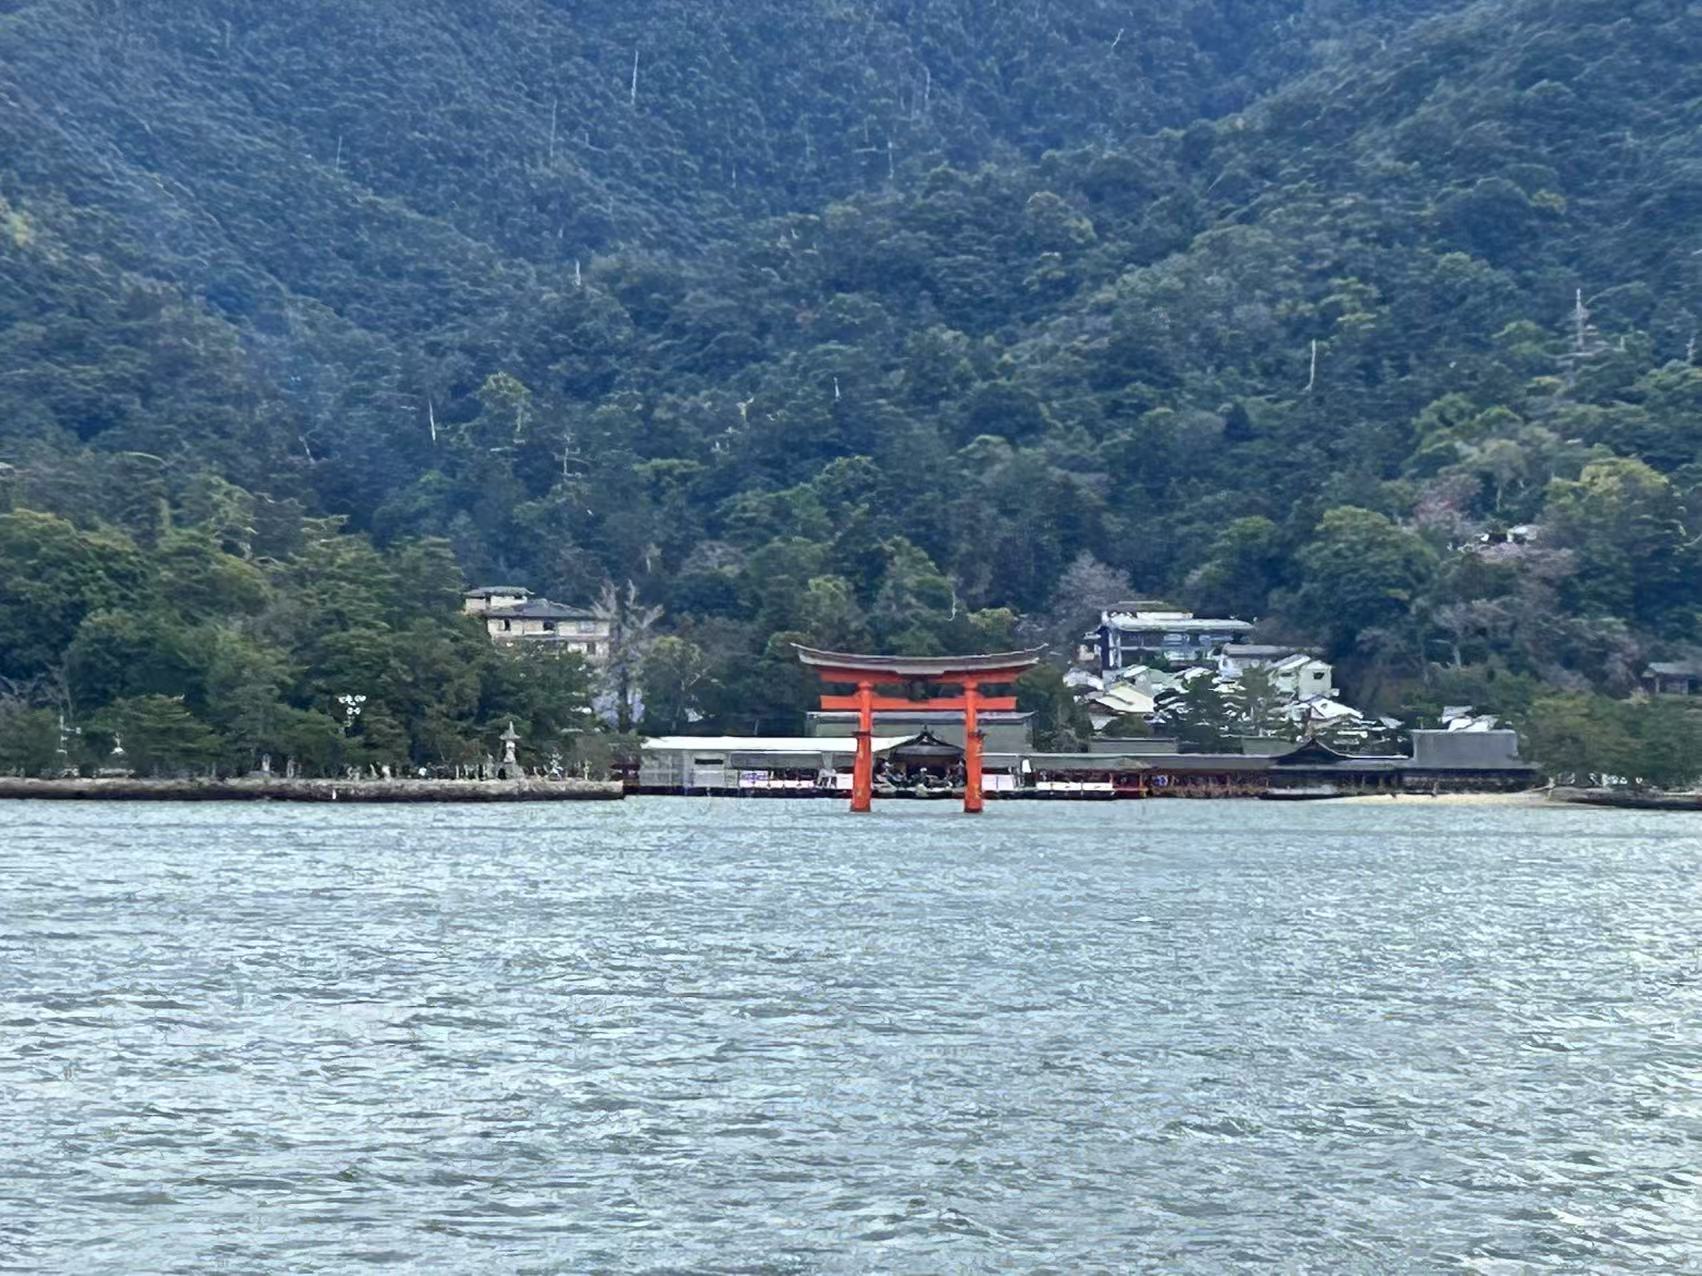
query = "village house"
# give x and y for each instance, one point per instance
(1293, 671)
(1132, 633)
(1120, 700)
(512, 615)
(1674, 678)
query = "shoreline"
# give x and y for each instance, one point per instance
(1594, 799)
(460, 792)
(1530, 797)
(276, 790)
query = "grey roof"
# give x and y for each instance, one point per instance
(495, 591)
(1353, 764)
(1265, 651)
(919, 666)
(1205, 762)
(1313, 752)
(1676, 668)
(1132, 746)
(986, 716)
(540, 609)
(1467, 751)
(926, 746)
(1139, 624)
(1143, 604)
(1084, 762)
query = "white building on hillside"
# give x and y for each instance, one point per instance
(1131, 633)
(1294, 672)
(512, 615)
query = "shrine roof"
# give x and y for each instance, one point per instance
(920, 666)
(927, 746)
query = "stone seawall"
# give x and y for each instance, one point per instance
(276, 790)
(1628, 800)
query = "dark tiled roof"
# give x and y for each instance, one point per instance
(1088, 762)
(987, 717)
(1207, 762)
(540, 609)
(1191, 625)
(919, 666)
(1676, 668)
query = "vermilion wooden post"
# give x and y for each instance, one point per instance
(863, 774)
(972, 803)
(867, 672)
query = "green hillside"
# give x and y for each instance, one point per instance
(865, 322)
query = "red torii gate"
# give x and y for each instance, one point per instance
(967, 672)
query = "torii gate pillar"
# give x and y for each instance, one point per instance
(863, 773)
(969, 673)
(972, 799)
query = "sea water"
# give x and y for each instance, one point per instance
(695, 1035)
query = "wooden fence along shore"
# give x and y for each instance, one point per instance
(283, 790)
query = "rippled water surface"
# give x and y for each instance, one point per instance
(712, 1036)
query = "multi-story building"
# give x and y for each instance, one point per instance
(1132, 633)
(512, 615)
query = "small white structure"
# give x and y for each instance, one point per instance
(1462, 717)
(1121, 700)
(1149, 681)
(483, 600)
(1080, 680)
(1320, 711)
(1294, 672)
(1301, 675)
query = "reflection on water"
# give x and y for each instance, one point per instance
(775, 1037)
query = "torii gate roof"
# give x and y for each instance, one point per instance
(905, 667)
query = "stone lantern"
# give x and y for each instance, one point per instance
(510, 768)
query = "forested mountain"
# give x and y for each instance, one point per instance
(864, 321)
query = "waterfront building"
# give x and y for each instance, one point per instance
(1468, 758)
(1133, 746)
(1004, 732)
(1441, 761)
(970, 676)
(513, 615)
(750, 764)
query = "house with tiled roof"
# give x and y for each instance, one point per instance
(513, 615)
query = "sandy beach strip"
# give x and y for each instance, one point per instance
(1536, 797)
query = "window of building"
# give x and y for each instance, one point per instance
(507, 626)
(549, 626)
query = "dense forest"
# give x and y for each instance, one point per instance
(910, 324)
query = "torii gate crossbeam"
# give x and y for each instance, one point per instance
(969, 673)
